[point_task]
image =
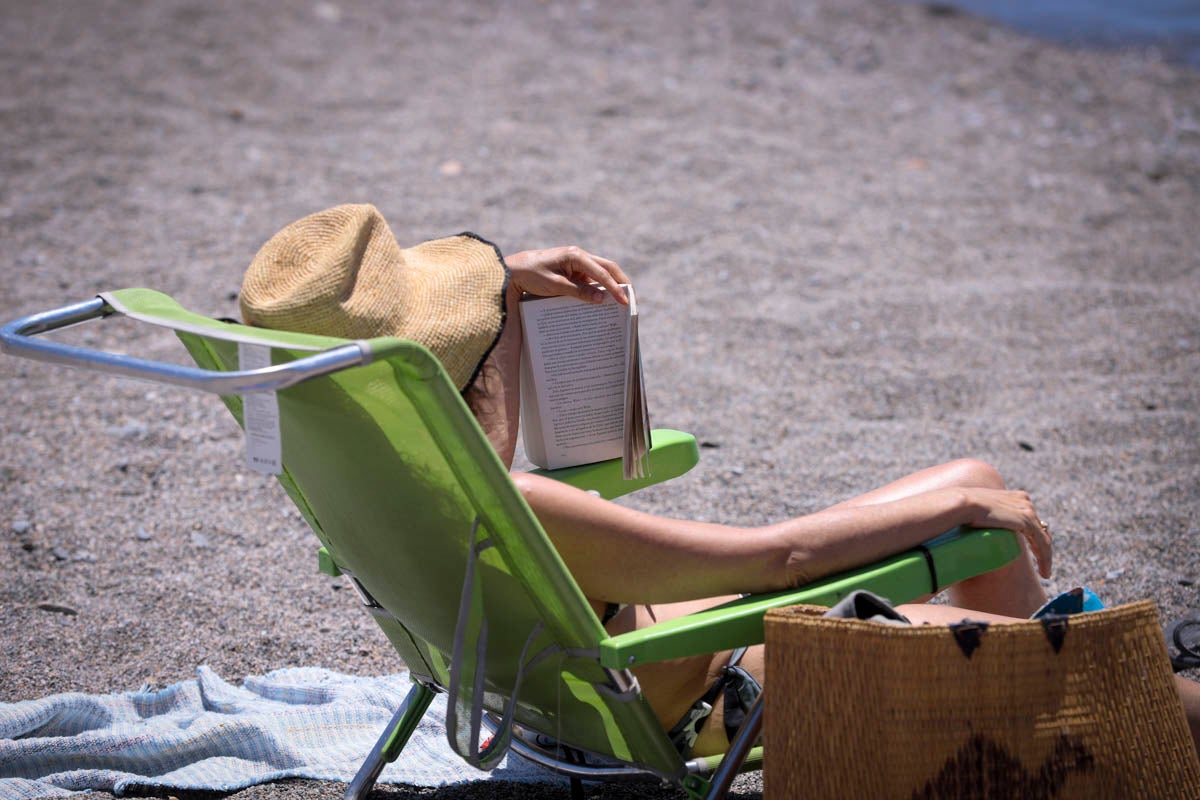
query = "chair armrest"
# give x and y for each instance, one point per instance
(958, 554)
(672, 454)
(326, 564)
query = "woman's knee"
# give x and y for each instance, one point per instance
(975, 473)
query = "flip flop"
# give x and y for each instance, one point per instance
(1183, 643)
(1072, 601)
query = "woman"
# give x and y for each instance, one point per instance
(341, 273)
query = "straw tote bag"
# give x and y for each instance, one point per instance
(1081, 706)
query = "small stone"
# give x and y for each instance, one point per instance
(1186, 582)
(200, 540)
(28, 546)
(1113, 574)
(738, 470)
(58, 609)
(60, 554)
(130, 430)
(936, 9)
(1026, 446)
(84, 556)
(142, 534)
(327, 12)
(21, 527)
(451, 168)
(1158, 169)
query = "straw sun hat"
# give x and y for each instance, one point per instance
(340, 273)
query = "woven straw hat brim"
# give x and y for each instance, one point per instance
(341, 273)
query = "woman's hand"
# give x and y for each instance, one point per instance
(569, 271)
(1001, 508)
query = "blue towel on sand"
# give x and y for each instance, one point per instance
(209, 734)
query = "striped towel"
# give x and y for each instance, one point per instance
(208, 734)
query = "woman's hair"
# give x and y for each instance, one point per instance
(478, 395)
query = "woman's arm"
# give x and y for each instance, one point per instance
(848, 536)
(619, 554)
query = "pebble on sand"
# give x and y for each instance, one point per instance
(58, 609)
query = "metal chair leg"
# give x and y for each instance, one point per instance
(394, 737)
(747, 735)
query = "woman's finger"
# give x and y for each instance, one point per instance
(614, 269)
(563, 285)
(595, 269)
(1049, 547)
(1038, 536)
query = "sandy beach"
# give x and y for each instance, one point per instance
(867, 238)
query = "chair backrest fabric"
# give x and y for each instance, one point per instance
(391, 470)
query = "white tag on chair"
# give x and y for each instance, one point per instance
(260, 415)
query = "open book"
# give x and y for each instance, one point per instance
(582, 394)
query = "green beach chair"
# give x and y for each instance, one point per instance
(411, 503)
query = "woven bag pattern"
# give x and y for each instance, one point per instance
(857, 709)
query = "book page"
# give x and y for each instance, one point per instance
(575, 360)
(636, 441)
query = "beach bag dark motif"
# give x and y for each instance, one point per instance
(1066, 707)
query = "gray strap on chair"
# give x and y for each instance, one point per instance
(466, 742)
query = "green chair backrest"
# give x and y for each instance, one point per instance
(391, 470)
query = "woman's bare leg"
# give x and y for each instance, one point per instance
(1013, 590)
(671, 686)
(1189, 693)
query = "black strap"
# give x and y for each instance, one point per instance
(933, 578)
(1183, 643)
